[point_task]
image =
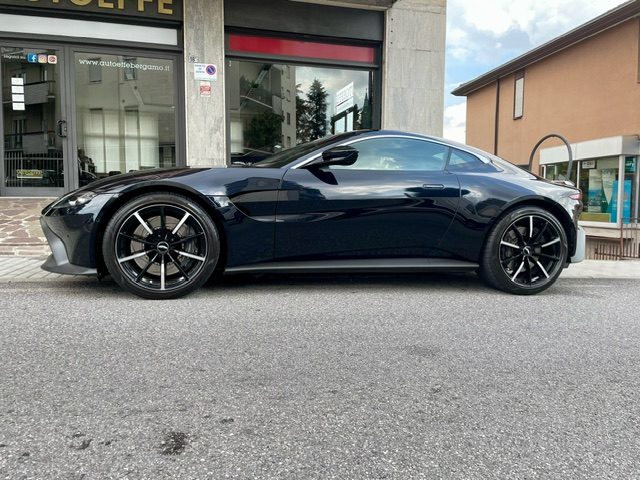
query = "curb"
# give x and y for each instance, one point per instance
(20, 269)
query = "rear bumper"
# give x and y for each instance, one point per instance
(58, 261)
(581, 242)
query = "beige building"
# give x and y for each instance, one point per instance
(585, 86)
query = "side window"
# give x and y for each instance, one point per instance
(403, 154)
(465, 162)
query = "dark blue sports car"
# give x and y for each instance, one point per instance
(372, 201)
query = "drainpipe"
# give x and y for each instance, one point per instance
(496, 120)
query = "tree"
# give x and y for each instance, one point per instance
(365, 113)
(317, 110)
(265, 131)
(303, 133)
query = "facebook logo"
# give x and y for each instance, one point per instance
(32, 57)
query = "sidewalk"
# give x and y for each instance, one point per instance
(20, 232)
(27, 269)
(604, 269)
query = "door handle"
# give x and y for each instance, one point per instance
(61, 128)
(433, 186)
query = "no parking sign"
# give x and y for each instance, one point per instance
(205, 71)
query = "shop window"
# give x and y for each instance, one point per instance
(296, 88)
(599, 182)
(315, 105)
(33, 154)
(558, 171)
(124, 127)
(518, 96)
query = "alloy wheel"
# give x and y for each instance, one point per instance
(161, 247)
(531, 250)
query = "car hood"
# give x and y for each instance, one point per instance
(118, 182)
(214, 181)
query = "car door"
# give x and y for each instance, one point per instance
(396, 200)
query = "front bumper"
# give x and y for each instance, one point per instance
(581, 246)
(58, 261)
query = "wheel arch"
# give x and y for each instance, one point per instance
(113, 206)
(547, 204)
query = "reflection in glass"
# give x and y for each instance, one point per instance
(274, 107)
(402, 154)
(125, 114)
(33, 153)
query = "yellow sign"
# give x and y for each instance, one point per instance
(24, 173)
(170, 9)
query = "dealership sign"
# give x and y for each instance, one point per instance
(158, 9)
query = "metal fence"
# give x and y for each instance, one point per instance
(36, 170)
(626, 245)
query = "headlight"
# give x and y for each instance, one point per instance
(74, 199)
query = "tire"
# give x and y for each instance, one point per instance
(161, 246)
(525, 252)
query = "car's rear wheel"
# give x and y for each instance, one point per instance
(160, 246)
(525, 252)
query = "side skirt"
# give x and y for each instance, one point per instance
(392, 265)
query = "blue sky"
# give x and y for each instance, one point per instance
(482, 34)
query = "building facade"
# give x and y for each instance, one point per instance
(585, 86)
(92, 88)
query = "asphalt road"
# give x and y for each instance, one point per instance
(320, 377)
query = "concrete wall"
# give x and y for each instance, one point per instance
(205, 116)
(413, 68)
(585, 92)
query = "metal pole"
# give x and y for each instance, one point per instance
(564, 140)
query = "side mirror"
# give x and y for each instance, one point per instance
(342, 155)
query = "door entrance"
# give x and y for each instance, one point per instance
(73, 115)
(34, 148)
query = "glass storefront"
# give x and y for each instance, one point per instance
(110, 114)
(125, 114)
(602, 185)
(558, 171)
(277, 106)
(285, 91)
(32, 109)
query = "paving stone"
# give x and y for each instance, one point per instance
(20, 232)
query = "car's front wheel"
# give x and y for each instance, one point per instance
(525, 252)
(160, 246)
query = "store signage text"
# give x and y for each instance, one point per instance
(170, 9)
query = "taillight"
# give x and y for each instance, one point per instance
(576, 196)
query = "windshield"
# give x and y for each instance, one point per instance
(285, 157)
